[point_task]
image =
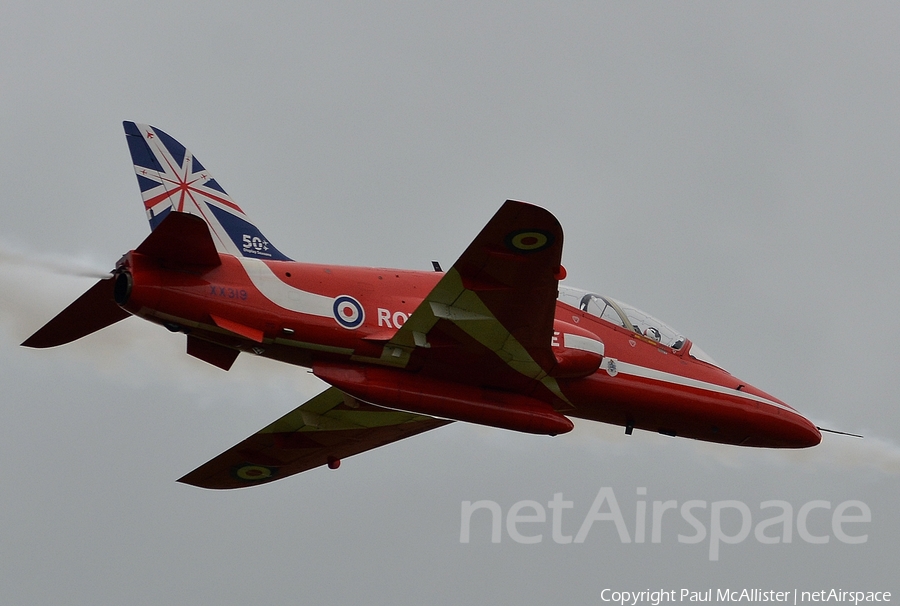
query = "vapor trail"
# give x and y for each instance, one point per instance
(871, 452)
(48, 263)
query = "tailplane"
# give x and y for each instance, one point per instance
(171, 179)
(181, 241)
(92, 311)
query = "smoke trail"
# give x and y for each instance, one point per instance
(34, 288)
(872, 453)
(47, 263)
(856, 453)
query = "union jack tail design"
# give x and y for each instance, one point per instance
(172, 179)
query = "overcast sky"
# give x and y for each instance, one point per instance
(732, 169)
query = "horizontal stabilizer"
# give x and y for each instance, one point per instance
(90, 312)
(181, 240)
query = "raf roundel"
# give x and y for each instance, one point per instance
(348, 312)
(529, 240)
(254, 473)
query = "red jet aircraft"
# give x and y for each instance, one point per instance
(495, 340)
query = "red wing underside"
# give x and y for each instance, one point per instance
(489, 321)
(321, 431)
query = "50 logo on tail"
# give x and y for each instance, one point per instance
(255, 245)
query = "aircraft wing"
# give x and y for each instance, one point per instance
(489, 320)
(327, 428)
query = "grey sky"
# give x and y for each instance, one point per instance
(730, 168)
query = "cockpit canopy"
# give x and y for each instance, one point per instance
(630, 318)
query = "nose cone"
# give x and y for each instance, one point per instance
(788, 429)
(782, 429)
(803, 433)
(777, 425)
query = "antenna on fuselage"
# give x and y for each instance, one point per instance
(436, 266)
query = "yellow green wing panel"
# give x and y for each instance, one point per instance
(324, 430)
(489, 320)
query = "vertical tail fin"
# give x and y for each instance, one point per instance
(171, 179)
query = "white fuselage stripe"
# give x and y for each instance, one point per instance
(284, 295)
(665, 377)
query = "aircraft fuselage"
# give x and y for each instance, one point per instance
(326, 316)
